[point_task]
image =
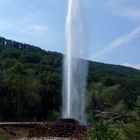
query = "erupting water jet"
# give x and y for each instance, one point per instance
(75, 67)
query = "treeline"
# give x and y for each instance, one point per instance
(31, 85)
(30, 82)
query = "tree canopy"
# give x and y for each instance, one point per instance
(31, 84)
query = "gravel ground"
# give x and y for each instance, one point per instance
(53, 138)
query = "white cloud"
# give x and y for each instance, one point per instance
(42, 33)
(137, 66)
(131, 36)
(53, 2)
(5, 25)
(35, 29)
(31, 23)
(124, 11)
(28, 31)
(131, 13)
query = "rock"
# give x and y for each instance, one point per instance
(65, 128)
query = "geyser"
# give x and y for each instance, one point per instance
(75, 67)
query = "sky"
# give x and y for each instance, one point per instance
(112, 27)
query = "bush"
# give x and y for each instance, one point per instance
(4, 137)
(105, 131)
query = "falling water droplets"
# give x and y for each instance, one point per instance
(75, 67)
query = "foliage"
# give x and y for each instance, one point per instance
(4, 137)
(30, 82)
(31, 85)
(105, 131)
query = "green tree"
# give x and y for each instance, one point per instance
(105, 131)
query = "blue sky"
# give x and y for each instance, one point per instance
(113, 27)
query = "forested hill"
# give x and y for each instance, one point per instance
(31, 83)
(98, 71)
(22, 52)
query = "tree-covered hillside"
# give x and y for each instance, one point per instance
(31, 85)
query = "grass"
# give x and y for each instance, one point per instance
(4, 137)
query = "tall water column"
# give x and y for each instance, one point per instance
(75, 67)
